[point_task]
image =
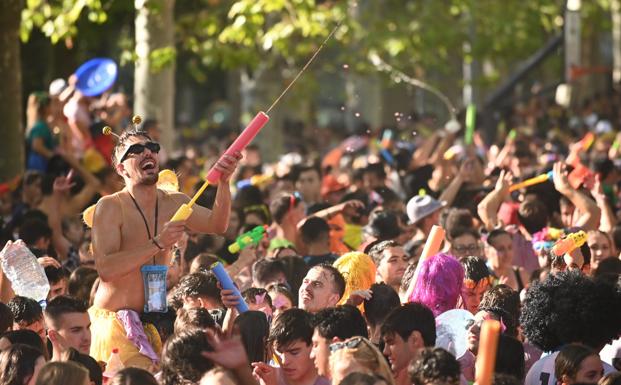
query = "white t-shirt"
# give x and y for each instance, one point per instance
(611, 352)
(542, 372)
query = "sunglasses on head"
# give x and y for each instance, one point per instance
(138, 148)
(351, 343)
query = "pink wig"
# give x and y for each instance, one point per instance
(438, 285)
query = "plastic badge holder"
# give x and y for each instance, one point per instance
(227, 283)
(154, 279)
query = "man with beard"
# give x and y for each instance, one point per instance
(132, 229)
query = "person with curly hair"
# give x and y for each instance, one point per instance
(473, 327)
(434, 366)
(182, 358)
(199, 290)
(505, 302)
(569, 308)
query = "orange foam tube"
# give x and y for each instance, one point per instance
(432, 247)
(486, 358)
(529, 182)
(433, 244)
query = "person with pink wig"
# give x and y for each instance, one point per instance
(438, 285)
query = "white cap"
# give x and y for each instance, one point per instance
(57, 86)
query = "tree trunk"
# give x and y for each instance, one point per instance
(12, 144)
(154, 92)
(615, 11)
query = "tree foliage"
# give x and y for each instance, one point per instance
(411, 35)
(58, 19)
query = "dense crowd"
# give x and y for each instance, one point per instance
(323, 245)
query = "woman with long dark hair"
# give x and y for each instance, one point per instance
(254, 329)
(20, 365)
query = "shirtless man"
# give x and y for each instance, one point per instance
(132, 229)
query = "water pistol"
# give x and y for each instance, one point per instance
(587, 141)
(471, 117)
(512, 134)
(579, 175)
(532, 181)
(386, 139)
(252, 237)
(255, 180)
(213, 175)
(569, 243)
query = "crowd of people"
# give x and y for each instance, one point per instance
(324, 247)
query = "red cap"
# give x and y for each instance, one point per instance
(115, 351)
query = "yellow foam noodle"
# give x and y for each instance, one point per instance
(167, 180)
(87, 215)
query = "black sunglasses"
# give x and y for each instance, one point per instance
(138, 148)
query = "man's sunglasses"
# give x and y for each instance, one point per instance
(138, 148)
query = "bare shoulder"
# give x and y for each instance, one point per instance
(108, 207)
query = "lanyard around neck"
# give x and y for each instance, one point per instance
(146, 224)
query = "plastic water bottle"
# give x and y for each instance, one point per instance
(22, 269)
(114, 364)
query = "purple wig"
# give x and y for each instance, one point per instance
(438, 285)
